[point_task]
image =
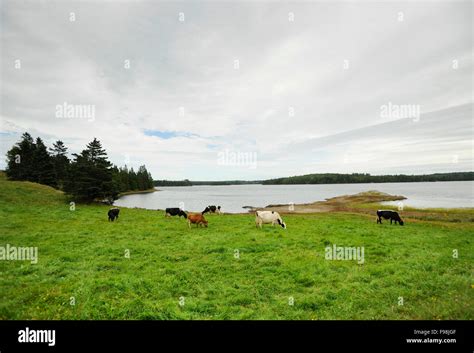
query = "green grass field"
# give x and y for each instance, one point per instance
(178, 273)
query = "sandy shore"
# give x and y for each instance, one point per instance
(338, 203)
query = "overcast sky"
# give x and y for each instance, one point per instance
(295, 88)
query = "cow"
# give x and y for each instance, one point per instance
(387, 214)
(175, 212)
(113, 213)
(212, 209)
(197, 219)
(262, 217)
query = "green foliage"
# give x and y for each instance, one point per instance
(82, 255)
(330, 178)
(184, 182)
(43, 171)
(88, 177)
(333, 178)
(61, 163)
(20, 159)
(187, 182)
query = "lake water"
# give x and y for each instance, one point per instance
(232, 198)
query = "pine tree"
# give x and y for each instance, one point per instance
(91, 175)
(125, 179)
(20, 159)
(133, 179)
(61, 163)
(43, 172)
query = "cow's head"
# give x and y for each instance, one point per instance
(182, 213)
(401, 222)
(280, 222)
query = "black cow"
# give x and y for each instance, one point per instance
(113, 213)
(391, 215)
(175, 211)
(212, 209)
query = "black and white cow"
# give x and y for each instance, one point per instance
(262, 217)
(113, 213)
(175, 211)
(212, 209)
(391, 215)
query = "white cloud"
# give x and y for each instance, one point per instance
(282, 64)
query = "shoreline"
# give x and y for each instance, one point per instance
(363, 203)
(133, 192)
(366, 203)
(333, 204)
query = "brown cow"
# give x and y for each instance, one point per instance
(197, 219)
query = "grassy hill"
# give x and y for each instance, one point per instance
(82, 260)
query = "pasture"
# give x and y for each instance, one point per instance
(230, 270)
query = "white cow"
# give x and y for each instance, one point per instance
(262, 217)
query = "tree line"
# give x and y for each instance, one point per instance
(333, 178)
(330, 178)
(88, 176)
(187, 182)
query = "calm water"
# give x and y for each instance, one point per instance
(233, 197)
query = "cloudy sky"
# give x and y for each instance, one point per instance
(288, 87)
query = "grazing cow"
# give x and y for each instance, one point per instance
(262, 217)
(175, 212)
(197, 219)
(212, 209)
(113, 213)
(391, 215)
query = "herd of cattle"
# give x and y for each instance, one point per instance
(261, 217)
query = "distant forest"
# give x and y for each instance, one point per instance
(87, 177)
(187, 182)
(330, 178)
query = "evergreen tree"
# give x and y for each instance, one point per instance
(20, 159)
(125, 179)
(43, 171)
(133, 180)
(91, 175)
(61, 163)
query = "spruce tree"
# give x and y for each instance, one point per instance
(61, 163)
(20, 159)
(91, 175)
(43, 171)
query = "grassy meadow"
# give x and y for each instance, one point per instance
(230, 270)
